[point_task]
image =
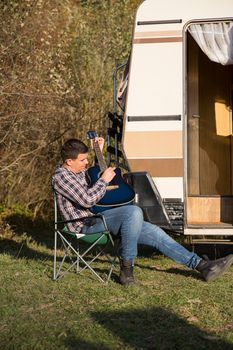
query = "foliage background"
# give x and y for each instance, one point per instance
(56, 63)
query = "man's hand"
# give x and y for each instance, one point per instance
(108, 174)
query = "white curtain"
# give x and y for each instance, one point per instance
(215, 40)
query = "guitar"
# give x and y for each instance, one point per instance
(118, 191)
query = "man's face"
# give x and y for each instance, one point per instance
(79, 164)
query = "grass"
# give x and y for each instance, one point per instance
(169, 308)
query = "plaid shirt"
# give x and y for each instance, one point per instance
(75, 195)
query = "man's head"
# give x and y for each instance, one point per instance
(74, 155)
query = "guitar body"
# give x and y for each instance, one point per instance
(119, 192)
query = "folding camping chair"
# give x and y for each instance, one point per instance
(77, 247)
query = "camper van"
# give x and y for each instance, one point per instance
(176, 102)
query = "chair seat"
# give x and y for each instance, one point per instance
(102, 236)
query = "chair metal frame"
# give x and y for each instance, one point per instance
(99, 240)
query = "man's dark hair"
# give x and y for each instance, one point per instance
(72, 148)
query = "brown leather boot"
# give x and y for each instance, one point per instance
(126, 273)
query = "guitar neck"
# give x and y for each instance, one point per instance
(99, 156)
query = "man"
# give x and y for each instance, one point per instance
(76, 197)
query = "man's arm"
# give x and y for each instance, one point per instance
(68, 186)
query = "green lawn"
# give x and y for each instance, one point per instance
(169, 308)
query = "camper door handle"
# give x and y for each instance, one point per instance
(195, 116)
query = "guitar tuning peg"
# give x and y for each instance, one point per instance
(91, 134)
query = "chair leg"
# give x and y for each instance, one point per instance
(69, 252)
(78, 259)
(112, 261)
(55, 257)
(57, 268)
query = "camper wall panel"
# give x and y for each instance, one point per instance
(169, 187)
(155, 82)
(143, 126)
(158, 167)
(158, 144)
(203, 209)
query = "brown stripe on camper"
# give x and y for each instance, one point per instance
(158, 167)
(153, 144)
(158, 37)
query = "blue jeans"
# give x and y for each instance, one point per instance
(129, 223)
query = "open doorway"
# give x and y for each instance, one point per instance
(209, 139)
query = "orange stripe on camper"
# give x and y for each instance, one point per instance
(156, 34)
(158, 40)
(158, 37)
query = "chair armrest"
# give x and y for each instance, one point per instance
(100, 216)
